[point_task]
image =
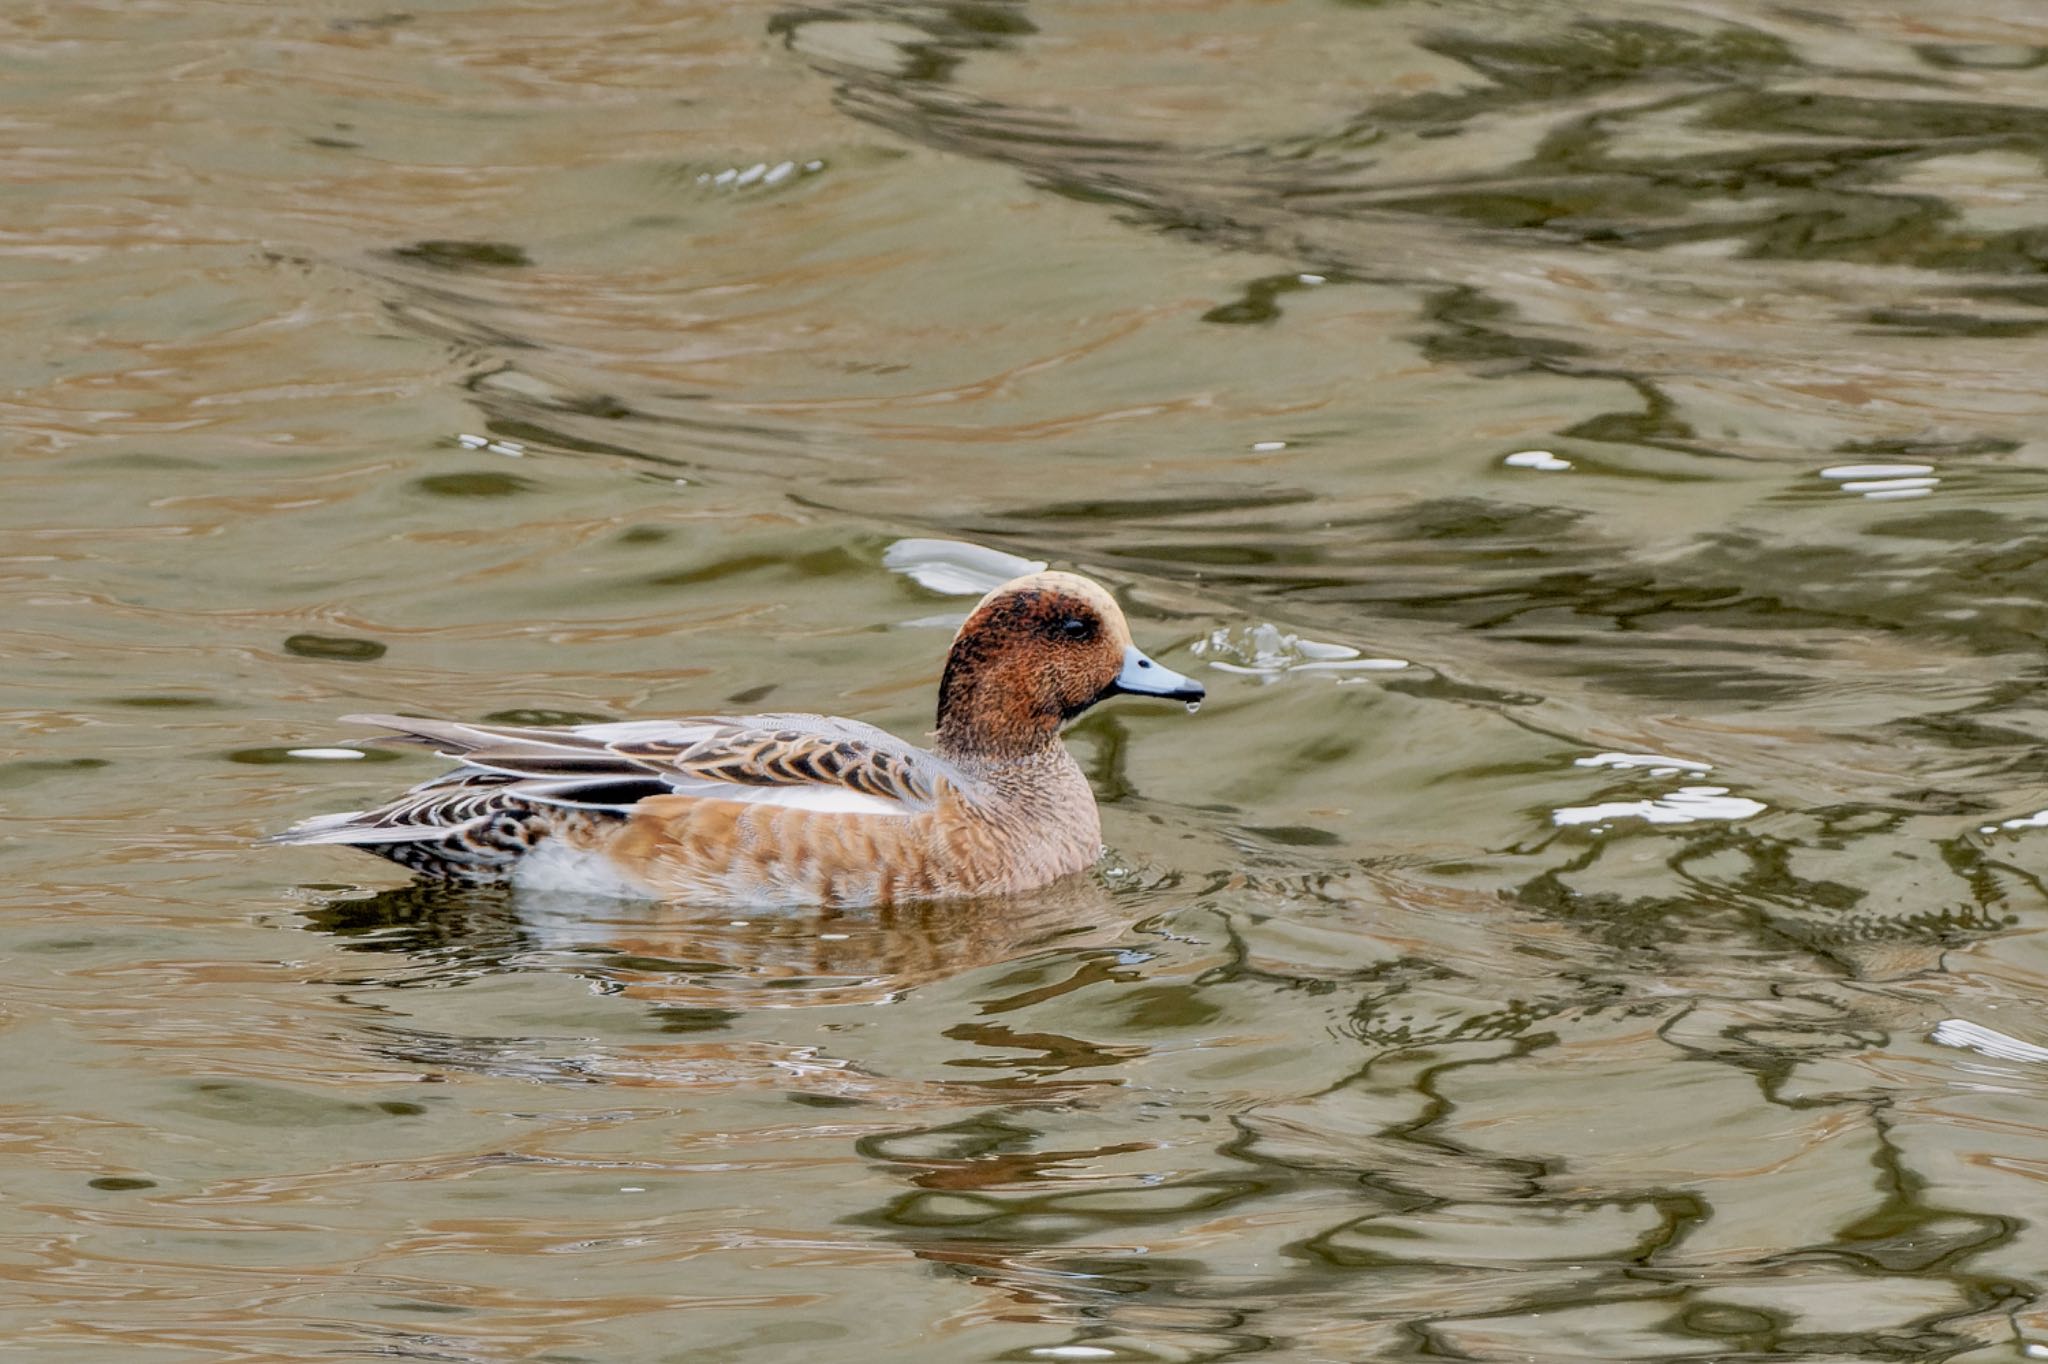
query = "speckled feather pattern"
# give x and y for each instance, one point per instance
(788, 808)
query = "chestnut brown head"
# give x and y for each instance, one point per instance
(1033, 654)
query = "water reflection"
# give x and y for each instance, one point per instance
(1393, 1207)
(695, 964)
(1377, 1185)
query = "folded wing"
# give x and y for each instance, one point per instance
(808, 762)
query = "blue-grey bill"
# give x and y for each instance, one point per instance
(1142, 677)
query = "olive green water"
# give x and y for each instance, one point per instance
(1646, 970)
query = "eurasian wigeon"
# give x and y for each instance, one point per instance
(790, 809)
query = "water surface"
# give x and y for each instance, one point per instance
(1592, 453)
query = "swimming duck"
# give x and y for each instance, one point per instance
(790, 809)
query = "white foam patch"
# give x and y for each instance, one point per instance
(470, 441)
(955, 567)
(1659, 764)
(1348, 666)
(1883, 482)
(1536, 459)
(1267, 652)
(1960, 1032)
(1686, 805)
(2037, 820)
(1842, 471)
(1887, 485)
(760, 173)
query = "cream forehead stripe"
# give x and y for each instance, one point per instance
(1067, 584)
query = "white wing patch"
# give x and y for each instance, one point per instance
(831, 799)
(645, 731)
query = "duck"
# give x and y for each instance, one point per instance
(789, 809)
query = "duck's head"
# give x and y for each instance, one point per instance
(1033, 654)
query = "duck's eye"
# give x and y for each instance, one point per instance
(1073, 627)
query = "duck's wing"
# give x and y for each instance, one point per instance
(803, 761)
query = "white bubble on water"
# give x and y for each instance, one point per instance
(1660, 764)
(1536, 459)
(956, 567)
(1686, 805)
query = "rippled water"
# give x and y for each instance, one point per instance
(1593, 453)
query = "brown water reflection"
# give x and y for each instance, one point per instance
(1640, 960)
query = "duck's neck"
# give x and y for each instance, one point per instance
(978, 748)
(1042, 784)
(1033, 800)
(988, 717)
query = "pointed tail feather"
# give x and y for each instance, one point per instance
(455, 738)
(473, 836)
(355, 826)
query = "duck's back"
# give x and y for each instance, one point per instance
(754, 809)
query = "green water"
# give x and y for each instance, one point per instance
(1632, 951)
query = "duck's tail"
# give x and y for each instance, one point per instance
(468, 825)
(517, 788)
(453, 833)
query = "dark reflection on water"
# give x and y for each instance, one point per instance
(1388, 1204)
(1781, 176)
(1423, 1237)
(689, 960)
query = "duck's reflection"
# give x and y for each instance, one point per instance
(695, 963)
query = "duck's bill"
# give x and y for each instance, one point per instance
(1142, 677)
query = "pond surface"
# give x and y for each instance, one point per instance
(1595, 453)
